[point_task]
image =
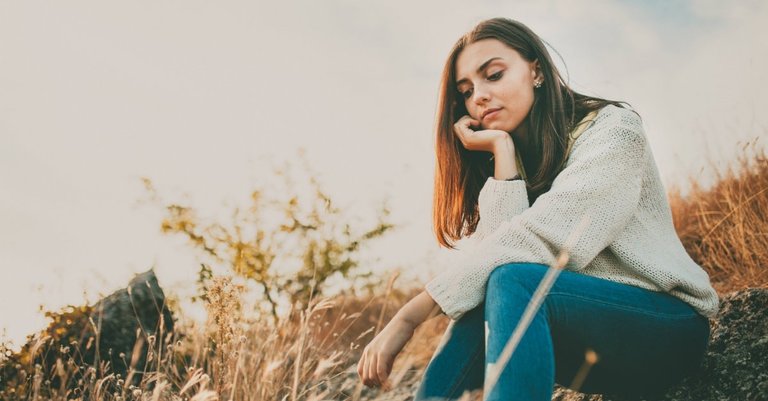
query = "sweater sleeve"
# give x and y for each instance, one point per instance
(498, 202)
(601, 180)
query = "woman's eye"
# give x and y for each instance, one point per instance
(495, 77)
(466, 94)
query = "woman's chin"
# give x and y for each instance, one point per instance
(495, 126)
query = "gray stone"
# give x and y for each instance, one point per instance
(129, 320)
(123, 327)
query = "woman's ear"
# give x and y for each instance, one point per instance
(536, 70)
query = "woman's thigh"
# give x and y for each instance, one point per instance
(644, 340)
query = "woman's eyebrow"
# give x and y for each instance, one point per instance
(479, 69)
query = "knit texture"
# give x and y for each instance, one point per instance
(610, 177)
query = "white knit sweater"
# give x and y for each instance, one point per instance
(611, 177)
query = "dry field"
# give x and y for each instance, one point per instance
(312, 354)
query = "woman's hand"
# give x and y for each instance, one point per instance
(484, 140)
(375, 364)
(495, 141)
(378, 356)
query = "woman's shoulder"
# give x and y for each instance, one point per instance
(613, 123)
(615, 113)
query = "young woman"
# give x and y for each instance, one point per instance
(523, 164)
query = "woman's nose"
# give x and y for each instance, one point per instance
(481, 95)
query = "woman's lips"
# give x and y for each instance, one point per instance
(491, 114)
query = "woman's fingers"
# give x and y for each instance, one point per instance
(373, 369)
(461, 128)
(382, 369)
(372, 373)
(463, 131)
(376, 361)
(361, 368)
(477, 140)
(366, 368)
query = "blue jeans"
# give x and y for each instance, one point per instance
(646, 341)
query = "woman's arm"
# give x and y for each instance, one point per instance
(498, 200)
(378, 356)
(504, 166)
(419, 309)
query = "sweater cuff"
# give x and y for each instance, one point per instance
(439, 291)
(501, 200)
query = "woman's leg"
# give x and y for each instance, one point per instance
(645, 340)
(458, 362)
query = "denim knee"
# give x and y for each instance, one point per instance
(528, 275)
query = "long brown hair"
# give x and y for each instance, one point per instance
(460, 173)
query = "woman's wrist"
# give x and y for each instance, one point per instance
(503, 146)
(418, 310)
(505, 166)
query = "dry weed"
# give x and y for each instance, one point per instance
(725, 228)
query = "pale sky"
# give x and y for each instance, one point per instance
(198, 95)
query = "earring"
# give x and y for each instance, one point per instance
(537, 84)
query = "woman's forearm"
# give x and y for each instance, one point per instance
(504, 159)
(419, 309)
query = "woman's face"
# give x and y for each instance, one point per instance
(496, 84)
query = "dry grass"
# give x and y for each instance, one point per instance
(312, 354)
(725, 228)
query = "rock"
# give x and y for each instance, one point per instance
(131, 321)
(735, 366)
(118, 329)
